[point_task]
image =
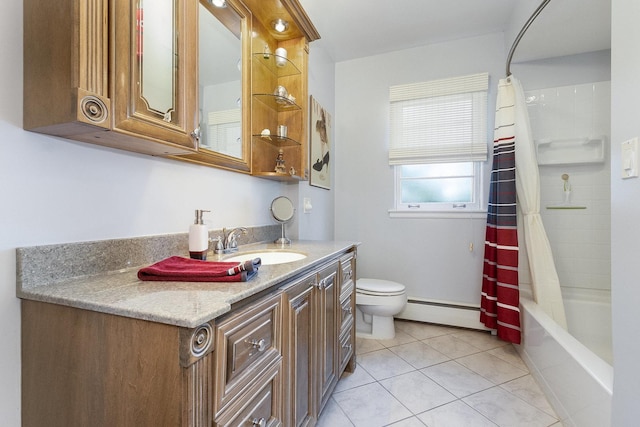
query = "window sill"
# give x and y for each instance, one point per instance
(453, 214)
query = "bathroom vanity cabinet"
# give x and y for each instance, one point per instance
(272, 360)
(126, 74)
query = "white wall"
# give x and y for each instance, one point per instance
(430, 257)
(625, 211)
(565, 70)
(56, 191)
(319, 223)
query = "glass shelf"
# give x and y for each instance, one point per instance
(278, 141)
(272, 62)
(279, 176)
(277, 102)
(566, 207)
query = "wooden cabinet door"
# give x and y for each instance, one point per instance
(155, 70)
(328, 329)
(299, 353)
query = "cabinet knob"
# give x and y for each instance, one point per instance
(196, 134)
(348, 310)
(259, 422)
(260, 345)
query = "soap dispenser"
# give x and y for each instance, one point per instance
(198, 237)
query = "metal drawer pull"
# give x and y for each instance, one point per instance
(259, 422)
(260, 344)
(322, 284)
(348, 310)
(347, 346)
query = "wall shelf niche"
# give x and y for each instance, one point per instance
(570, 151)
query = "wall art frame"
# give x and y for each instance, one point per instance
(320, 147)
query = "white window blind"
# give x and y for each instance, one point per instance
(439, 121)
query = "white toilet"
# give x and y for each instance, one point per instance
(377, 301)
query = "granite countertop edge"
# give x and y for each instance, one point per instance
(183, 304)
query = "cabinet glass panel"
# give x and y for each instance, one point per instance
(156, 55)
(220, 80)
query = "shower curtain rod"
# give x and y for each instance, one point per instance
(521, 33)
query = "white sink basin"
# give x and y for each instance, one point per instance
(267, 257)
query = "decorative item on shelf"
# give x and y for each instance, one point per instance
(282, 95)
(281, 57)
(292, 171)
(282, 131)
(291, 98)
(320, 131)
(281, 91)
(280, 167)
(266, 134)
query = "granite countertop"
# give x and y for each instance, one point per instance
(185, 304)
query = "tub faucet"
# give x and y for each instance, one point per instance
(230, 242)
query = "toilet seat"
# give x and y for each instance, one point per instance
(377, 287)
(377, 302)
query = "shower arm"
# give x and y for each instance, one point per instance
(521, 33)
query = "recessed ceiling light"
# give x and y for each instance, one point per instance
(280, 25)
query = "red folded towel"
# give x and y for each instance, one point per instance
(179, 269)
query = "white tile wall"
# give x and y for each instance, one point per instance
(580, 239)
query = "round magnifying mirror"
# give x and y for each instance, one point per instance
(282, 211)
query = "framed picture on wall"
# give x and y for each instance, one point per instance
(320, 172)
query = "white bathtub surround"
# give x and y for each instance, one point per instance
(577, 382)
(544, 277)
(580, 238)
(589, 319)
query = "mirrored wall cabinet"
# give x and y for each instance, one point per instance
(214, 82)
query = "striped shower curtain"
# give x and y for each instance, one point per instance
(500, 296)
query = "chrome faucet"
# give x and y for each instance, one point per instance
(229, 243)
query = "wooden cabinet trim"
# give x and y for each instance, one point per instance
(236, 361)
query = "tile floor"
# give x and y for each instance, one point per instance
(437, 376)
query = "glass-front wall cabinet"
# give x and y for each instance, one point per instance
(198, 81)
(223, 81)
(154, 91)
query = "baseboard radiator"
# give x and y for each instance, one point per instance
(442, 313)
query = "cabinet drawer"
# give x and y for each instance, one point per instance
(245, 344)
(347, 271)
(346, 310)
(259, 406)
(346, 347)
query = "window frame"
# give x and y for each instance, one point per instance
(476, 205)
(437, 135)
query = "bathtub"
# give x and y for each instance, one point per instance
(577, 382)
